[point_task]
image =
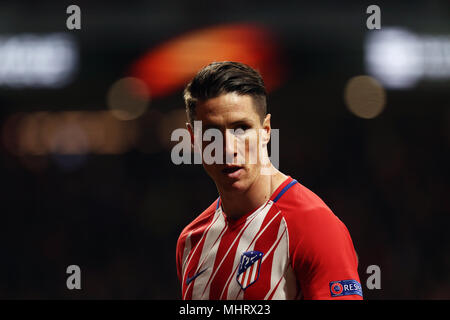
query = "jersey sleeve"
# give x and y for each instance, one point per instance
(179, 254)
(323, 257)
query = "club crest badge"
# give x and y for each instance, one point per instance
(249, 267)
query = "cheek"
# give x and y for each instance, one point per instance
(210, 168)
(252, 150)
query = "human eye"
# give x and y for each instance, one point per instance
(243, 127)
(240, 130)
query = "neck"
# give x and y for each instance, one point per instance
(237, 203)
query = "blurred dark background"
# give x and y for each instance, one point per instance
(86, 115)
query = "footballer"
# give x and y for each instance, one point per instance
(266, 236)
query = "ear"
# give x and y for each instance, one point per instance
(191, 132)
(266, 129)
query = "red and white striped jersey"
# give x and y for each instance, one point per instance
(292, 247)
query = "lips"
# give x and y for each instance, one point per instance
(232, 171)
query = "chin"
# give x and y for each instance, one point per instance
(239, 185)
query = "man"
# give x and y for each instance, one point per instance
(266, 236)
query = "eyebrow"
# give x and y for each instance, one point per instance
(232, 124)
(210, 126)
(242, 121)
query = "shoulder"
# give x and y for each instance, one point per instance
(308, 217)
(199, 223)
(320, 247)
(300, 203)
(192, 231)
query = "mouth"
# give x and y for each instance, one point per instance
(232, 171)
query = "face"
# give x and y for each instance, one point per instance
(244, 135)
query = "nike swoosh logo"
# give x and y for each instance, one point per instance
(190, 279)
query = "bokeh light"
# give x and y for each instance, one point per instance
(68, 133)
(128, 98)
(364, 97)
(399, 58)
(170, 65)
(38, 60)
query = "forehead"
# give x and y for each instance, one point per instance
(227, 107)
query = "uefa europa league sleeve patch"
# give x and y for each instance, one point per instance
(345, 288)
